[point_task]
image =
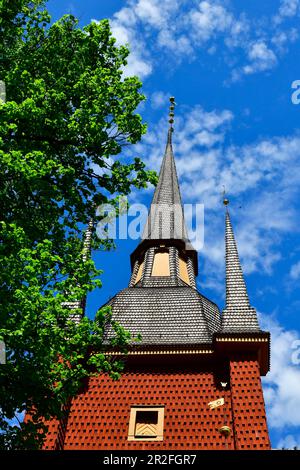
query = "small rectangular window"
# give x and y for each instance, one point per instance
(146, 423)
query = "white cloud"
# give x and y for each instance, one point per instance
(262, 177)
(150, 12)
(289, 442)
(259, 51)
(159, 99)
(134, 24)
(137, 66)
(212, 20)
(168, 32)
(261, 58)
(282, 383)
(295, 271)
(124, 29)
(209, 19)
(287, 9)
(261, 224)
(180, 47)
(282, 38)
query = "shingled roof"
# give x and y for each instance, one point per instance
(238, 316)
(166, 216)
(165, 310)
(168, 309)
(166, 315)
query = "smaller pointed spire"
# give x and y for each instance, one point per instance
(238, 314)
(236, 291)
(86, 253)
(87, 244)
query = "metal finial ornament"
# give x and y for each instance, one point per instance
(225, 199)
(171, 112)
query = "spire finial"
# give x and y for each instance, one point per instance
(171, 112)
(225, 199)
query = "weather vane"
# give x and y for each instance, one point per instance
(171, 112)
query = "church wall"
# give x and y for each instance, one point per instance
(99, 417)
(249, 413)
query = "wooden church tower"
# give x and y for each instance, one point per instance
(193, 382)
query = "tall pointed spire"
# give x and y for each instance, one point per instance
(166, 217)
(238, 314)
(165, 227)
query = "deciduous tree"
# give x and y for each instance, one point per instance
(68, 113)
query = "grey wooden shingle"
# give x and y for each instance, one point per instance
(238, 315)
(166, 216)
(166, 315)
(165, 310)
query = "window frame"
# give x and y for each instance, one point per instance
(134, 409)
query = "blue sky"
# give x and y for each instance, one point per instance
(230, 66)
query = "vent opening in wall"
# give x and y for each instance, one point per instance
(146, 423)
(161, 263)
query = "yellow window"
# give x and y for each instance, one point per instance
(161, 264)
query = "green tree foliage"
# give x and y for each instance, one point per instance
(67, 114)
